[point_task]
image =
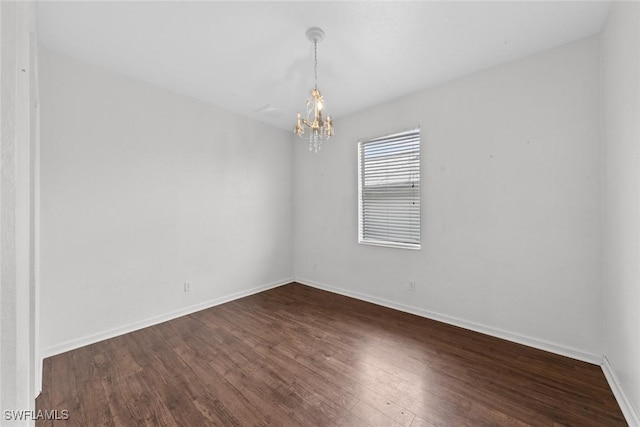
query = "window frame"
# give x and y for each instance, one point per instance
(361, 208)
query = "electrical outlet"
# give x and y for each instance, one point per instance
(187, 286)
(412, 286)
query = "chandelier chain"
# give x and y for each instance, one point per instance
(315, 64)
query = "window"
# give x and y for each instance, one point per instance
(389, 190)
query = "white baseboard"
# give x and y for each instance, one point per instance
(487, 330)
(627, 408)
(101, 336)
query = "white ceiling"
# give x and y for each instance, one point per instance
(245, 56)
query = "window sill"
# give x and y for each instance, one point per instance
(412, 246)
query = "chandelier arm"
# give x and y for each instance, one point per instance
(310, 108)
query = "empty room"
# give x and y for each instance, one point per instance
(343, 213)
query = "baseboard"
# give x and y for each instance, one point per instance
(101, 336)
(487, 330)
(627, 408)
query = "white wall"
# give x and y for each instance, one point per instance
(511, 204)
(620, 46)
(142, 190)
(18, 147)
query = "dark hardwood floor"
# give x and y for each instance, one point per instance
(298, 356)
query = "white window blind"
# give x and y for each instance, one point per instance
(389, 190)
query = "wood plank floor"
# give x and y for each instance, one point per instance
(298, 356)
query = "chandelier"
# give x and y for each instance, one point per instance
(319, 129)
